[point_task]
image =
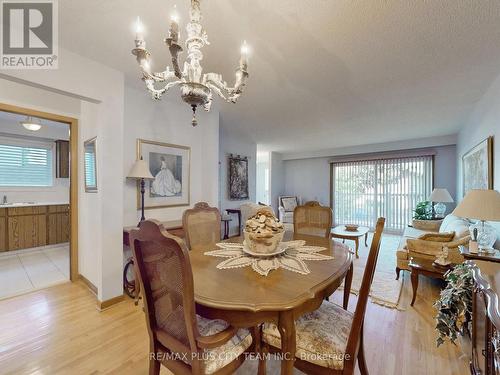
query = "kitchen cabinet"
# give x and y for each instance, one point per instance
(58, 224)
(32, 226)
(62, 159)
(27, 227)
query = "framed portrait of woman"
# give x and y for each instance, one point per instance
(169, 165)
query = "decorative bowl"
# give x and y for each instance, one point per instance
(261, 243)
(351, 227)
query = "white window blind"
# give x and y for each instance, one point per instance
(26, 165)
(391, 188)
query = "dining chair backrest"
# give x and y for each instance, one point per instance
(164, 270)
(355, 336)
(202, 226)
(312, 219)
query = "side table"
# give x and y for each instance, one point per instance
(422, 266)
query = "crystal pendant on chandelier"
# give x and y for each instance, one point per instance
(196, 88)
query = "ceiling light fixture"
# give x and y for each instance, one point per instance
(196, 88)
(31, 124)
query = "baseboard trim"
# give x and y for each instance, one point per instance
(103, 305)
(89, 284)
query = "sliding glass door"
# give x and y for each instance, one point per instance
(366, 190)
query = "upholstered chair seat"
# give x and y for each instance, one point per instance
(219, 357)
(321, 335)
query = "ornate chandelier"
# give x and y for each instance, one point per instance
(196, 88)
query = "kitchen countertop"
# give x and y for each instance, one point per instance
(31, 204)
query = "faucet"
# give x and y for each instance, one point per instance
(4, 201)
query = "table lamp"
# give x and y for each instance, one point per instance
(440, 196)
(140, 171)
(483, 205)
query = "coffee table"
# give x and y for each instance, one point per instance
(422, 266)
(340, 232)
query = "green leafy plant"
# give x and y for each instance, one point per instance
(423, 211)
(454, 306)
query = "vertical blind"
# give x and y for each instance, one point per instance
(391, 188)
(26, 165)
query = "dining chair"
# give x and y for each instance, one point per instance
(312, 219)
(202, 226)
(330, 339)
(181, 340)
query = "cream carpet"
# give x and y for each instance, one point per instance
(385, 290)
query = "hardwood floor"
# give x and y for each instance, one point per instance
(59, 331)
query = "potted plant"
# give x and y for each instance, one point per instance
(454, 306)
(422, 217)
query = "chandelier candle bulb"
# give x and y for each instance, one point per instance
(139, 30)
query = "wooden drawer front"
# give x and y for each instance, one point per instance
(31, 210)
(58, 208)
(58, 228)
(27, 231)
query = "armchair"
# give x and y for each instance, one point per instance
(286, 206)
(453, 232)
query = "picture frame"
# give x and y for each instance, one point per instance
(90, 165)
(477, 167)
(170, 166)
(238, 178)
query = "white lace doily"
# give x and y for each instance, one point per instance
(292, 259)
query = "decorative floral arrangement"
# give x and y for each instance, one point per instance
(454, 307)
(423, 211)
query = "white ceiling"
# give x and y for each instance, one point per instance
(323, 73)
(10, 125)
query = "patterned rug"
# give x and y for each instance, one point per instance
(385, 290)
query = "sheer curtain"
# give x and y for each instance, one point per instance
(366, 190)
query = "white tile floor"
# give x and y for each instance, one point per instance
(33, 269)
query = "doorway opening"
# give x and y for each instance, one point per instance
(38, 200)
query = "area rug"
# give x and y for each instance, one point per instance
(386, 290)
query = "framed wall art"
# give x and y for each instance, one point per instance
(238, 177)
(169, 164)
(477, 166)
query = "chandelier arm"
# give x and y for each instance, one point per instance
(230, 94)
(157, 93)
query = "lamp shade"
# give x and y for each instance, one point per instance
(440, 195)
(140, 170)
(480, 205)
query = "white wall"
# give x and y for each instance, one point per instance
(94, 94)
(232, 143)
(310, 178)
(483, 122)
(277, 179)
(169, 121)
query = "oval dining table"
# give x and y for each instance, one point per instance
(245, 299)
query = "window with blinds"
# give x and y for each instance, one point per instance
(26, 165)
(391, 188)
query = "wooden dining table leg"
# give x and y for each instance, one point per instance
(347, 286)
(286, 327)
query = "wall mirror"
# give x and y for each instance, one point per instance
(90, 166)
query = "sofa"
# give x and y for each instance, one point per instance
(286, 205)
(452, 232)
